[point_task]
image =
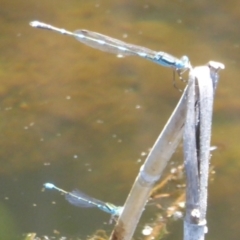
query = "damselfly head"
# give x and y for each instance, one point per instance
(112, 209)
(185, 60)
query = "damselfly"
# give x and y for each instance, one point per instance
(115, 46)
(81, 199)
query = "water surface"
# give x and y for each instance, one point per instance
(81, 118)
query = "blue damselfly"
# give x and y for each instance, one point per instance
(115, 46)
(81, 199)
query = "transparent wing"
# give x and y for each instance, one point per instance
(80, 199)
(111, 45)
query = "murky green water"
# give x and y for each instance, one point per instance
(70, 114)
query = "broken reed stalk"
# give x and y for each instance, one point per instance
(162, 151)
(197, 137)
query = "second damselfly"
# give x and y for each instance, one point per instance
(80, 199)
